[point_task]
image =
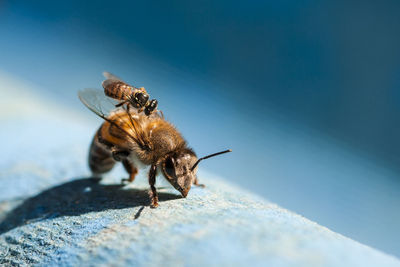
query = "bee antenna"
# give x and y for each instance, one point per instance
(209, 156)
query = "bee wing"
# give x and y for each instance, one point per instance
(111, 76)
(97, 101)
(103, 106)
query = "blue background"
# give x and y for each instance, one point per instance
(305, 93)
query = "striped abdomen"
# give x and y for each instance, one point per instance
(117, 89)
(110, 136)
(100, 157)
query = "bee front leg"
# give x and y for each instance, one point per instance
(153, 191)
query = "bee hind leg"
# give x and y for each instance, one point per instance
(119, 155)
(131, 169)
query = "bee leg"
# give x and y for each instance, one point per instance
(119, 155)
(153, 191)
(131, 169)
(120, 104)
(196, 183)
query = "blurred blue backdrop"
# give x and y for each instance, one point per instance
(306, 93)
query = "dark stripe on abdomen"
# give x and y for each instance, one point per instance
(100, 158)
(116, 89)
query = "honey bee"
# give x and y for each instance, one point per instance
(137, 139)
(138, 98)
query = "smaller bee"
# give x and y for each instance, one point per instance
(138, 98)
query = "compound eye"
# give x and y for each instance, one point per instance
(169, 167)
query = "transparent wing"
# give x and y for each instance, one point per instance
(103, 106)
(111, 76)
(98, 102)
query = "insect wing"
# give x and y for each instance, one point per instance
(97, 101)
(111, 76)
(103, 106)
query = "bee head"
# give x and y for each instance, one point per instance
(180, 168)
(177, 168)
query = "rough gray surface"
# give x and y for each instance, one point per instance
(52, 214)
(84, 222)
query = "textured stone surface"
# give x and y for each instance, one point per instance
(88, 222)
(52, 214)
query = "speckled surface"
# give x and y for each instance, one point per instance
(52, 214)
(90, 222)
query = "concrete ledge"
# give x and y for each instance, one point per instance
(87, 222)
